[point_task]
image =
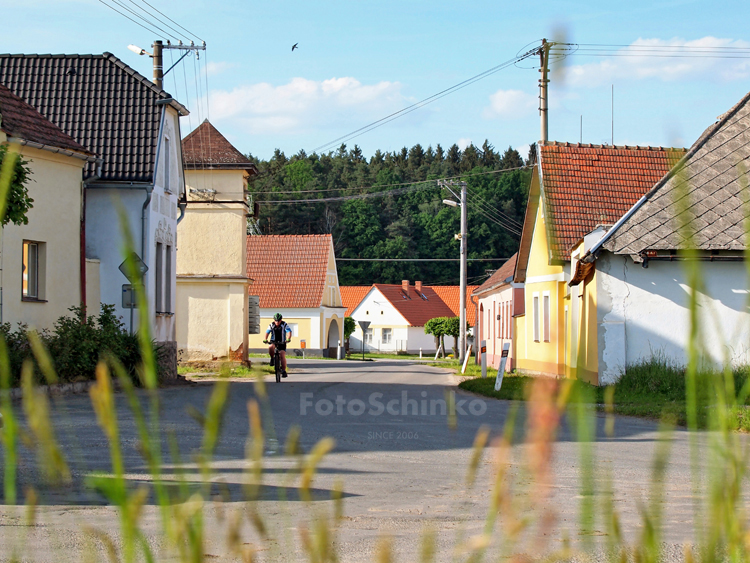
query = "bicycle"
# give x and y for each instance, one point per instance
(276, 361)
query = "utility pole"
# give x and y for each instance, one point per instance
(462, 237)
(157, 55)
(543, 88)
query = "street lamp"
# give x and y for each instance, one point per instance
(448, 184)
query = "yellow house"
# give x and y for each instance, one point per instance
(295, 275)
(575, 189)
(41, 262)
(212, 282)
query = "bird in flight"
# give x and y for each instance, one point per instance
(294, 46)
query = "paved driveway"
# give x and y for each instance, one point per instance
(403, 468)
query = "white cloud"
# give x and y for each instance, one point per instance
(305, 105)
(636, 62)
(509, 104)
(214, 68)
(463, 143)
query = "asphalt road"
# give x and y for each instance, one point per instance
(402, 466)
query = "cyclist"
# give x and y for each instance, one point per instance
(280, 335)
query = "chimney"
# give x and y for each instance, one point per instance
(405, 286)
(418, 286)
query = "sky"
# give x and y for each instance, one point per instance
(359, 61)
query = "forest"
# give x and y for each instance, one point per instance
(390, 206)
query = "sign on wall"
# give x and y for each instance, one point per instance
(253, 313)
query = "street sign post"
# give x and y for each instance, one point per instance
(141, 268)
(483, 350)
(363, 325)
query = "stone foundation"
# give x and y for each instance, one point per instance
(166, 360)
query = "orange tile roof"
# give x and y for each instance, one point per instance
(451, 296)
(498, 278)
(352, 295)
(288, 270)
(413, 308)
(589, 185)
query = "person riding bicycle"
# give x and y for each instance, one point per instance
(280, 335)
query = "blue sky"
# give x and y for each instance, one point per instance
(360, 61)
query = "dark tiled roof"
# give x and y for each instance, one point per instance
(99, 101)
(699, 204)
(19, 119)
(503, 275)
(352, 295)
(205, 147)
(589, 185)
(412, 307)
(451, 296)
(288, 270)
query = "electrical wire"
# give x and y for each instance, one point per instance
(495, 214)
(174, 22)
(426, 101)
(179, 33)
(411, 188)
(128, 17)
(136, 14)
(492, 219)
(488, 205)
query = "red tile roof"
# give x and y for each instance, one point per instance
(352, 295)
(206, 147)
(19, 119)
(413, 308)
(589, 185)
(288, 271)
(451, 296)
(498, 278)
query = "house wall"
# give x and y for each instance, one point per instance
(644, 311)
(212, 286)
(581, 350)
(308, 323)
(496, 332)
(542, 279)
(54, 221)
(381, 314)
(93, 287)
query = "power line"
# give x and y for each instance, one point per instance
(428, 100)
(128, 17)
(494, 220)
(419, 259)
(156, 18)
(398, 191)
(174, 22)
(151, 23)
(495, 210)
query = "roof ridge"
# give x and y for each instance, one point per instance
(567, 144)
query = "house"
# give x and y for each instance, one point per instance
(495, 317)
(397, 315)
(133, 126)
(636, 277)
(451, 296)
(574, 188)
(295, 275)
(352, 295)
(46, 249)
(212, 282)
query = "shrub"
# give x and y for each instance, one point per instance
(76, 344)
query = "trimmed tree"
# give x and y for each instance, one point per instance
(16, 195)
(436, 327)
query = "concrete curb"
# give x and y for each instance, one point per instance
(58, 390)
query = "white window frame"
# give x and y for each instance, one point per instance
(35, 293)
(167, 163)
(294, 328)
(387, 337)
(535, 307)
(368, 336)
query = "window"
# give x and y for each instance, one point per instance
(368, 336)
(167, 156)
(387, 335)
(546, 318)
(294, 327)
(536, 318)
(159, 279)
(32, 285)
(168, 280)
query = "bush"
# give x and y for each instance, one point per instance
(76, 344)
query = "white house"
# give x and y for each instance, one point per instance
(495, 317)
(295, 275)
(133, 126)
(397, 315)
(635, 274)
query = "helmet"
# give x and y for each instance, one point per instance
(277, 317)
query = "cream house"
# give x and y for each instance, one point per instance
(41, 262)
(295, 275)
(212, 282)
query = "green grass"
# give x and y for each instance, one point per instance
(654, 388)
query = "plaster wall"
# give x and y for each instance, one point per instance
(644, 311)
(308, 327)
(54, 220)
(93, 287)
(228, 184)
(497, 332)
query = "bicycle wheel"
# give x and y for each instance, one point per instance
(277, 368)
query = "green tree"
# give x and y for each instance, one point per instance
(511, 159)
(436, 327)
(349, 327)
(18, 202)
